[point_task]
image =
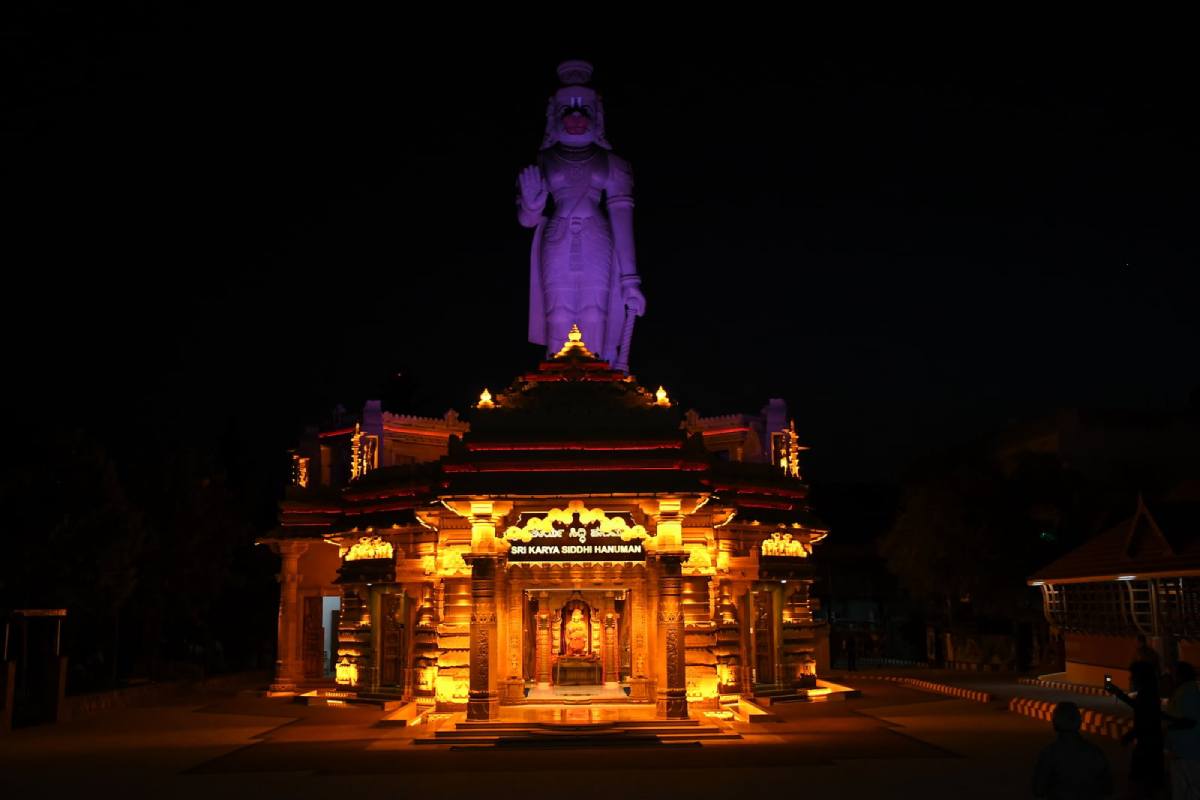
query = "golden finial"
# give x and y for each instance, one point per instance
(485, 399)
(660, 397)
(574, 343)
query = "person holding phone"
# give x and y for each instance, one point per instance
(1147, 776)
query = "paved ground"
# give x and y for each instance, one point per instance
(892, 742)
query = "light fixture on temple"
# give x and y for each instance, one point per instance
(485, 399)
(660, 397)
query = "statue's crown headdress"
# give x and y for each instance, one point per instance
(575, 72)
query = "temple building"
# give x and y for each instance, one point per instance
(578, 539)
(1139, 576)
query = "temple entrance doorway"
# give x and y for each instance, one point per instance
(574, 652)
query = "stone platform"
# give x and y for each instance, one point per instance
(577, 694)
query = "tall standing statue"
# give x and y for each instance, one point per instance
(579, 199)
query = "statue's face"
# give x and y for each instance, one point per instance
(575, 115)
(576, 615)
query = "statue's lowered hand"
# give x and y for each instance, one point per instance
(635, 301)
(533, 188)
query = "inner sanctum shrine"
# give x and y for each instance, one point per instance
(579, 540)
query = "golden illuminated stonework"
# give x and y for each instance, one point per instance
(364, 452)
(544, 526)
(786, 447)
(784, 545)
(452, 562)
(660, 397)
(485, 399)
(369, 547)
(347, 672)
(300, 471)
(574, 344)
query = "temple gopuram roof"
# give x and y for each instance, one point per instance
(573, 426)
(1159, 542)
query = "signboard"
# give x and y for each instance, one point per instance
(576, 534)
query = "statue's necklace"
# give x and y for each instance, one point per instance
(583, 154)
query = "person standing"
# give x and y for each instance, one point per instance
(1071, 768)
(1183, 734)
(1146, 773)
(1144, 652)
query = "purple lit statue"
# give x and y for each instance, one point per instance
(582, 268)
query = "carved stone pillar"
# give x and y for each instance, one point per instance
(637, 599)
(749, 615)
(425, 649)
(542, 656)
(611, 654)
(777, 633)
(729, 640)
(672, 650)
(516, 619)
(483, 701)
(289, 664)
(513, 685)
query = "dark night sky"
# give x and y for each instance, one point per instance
(911, 246)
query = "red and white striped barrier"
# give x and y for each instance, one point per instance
(1094, 721)
(1063, 686)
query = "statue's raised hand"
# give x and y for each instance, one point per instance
(533, 188)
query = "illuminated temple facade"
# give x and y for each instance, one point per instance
(578, 539)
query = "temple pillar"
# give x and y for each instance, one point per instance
(640, 684)
(483, 700)
(749, 615)
(513, 615)
(425, 649)
(729, 639)
(671, 693)
(777, 633)
(375, 612)
(542, 660)
(289, 663)
(611, 653)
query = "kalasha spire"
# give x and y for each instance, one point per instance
(574, 345)
(574, 72)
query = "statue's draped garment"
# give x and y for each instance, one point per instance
(575, 274)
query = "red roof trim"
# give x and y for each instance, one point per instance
(384, 494)
(550, 466)
(353, 512)
(589, 446)
(443, 434)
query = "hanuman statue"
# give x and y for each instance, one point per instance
(576, 634)
(579, 199)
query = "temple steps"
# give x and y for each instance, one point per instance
(599, 734)
(387, 703)
(823, 693)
